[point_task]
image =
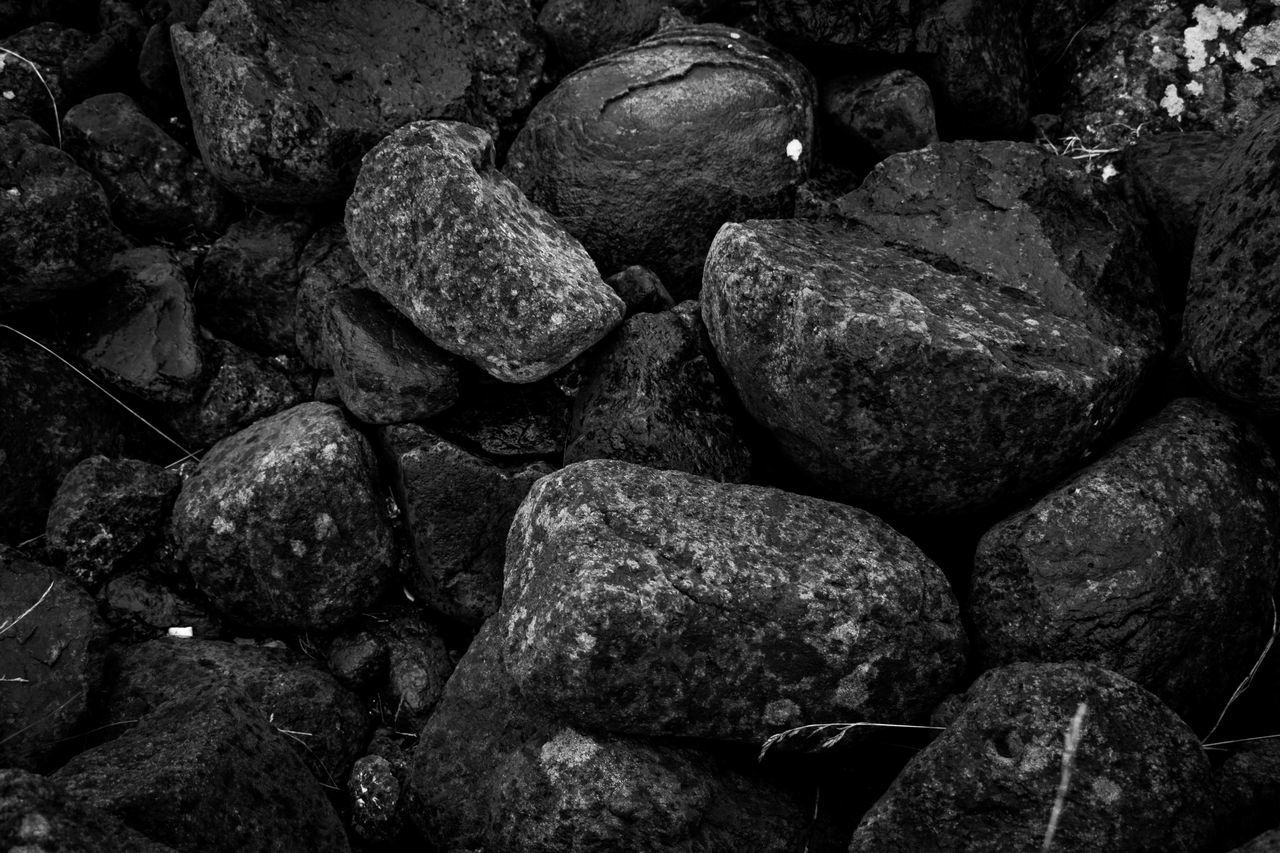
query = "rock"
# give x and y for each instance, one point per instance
(138, 608)
(1158, 562)
(281, 525)
(1052, 27)
(325, 268)
(510, 422)
(206, 772)
(418, 665)
(56, 235)
(51, 655)
(523, 297)
(583, 30)
(157, 68)
(375, 797)
(358, 659)
(1267, 842)
(488, 773)
(653, 398)
(37, 814)
(155, 186)
(458, 508)
(326, 724)
(1140, 781)
(644, 153)
(653, 602)
(386, 371)
(882, 113)
(143, 335)
(105, 512)
(71, 64)
(284, 100)
(1248, 792)
(641, 290)
(1230, 338)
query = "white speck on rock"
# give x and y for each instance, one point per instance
(9, 95)
(1172, 102)
(1195, 87)
(739, 35)
(795, 149)
(221, 526)
(299, 549)
(1109, 171)
(184, 633)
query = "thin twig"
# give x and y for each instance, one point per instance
(57, 122)
(1218, 744)
(1248, 679)
(843, 729)
(9, 624)
(1069, 747)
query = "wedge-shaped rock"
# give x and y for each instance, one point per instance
(656, 602)
(458, 249)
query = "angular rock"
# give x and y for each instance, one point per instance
(37, 814)
(155, 186)
(653, 398)
(325, 268)
(883, 114)
(284, 100)
(641, 290)
(1140, 780)
(644, 153)
(104, 514)
(73, 64)
(282, 525)
(51, 656)
(658, 603)
(510, 422)
(460, 251)
(458, 508)
(490, 774)
(206, 772)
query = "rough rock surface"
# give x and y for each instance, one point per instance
(138, 608)
(1140, 781)
(37, 814)
(72, 63)
(883, 113)
(1267, 842)
(325, 268)
(281, 525)
(285, 99)
(658, 603)
(653, 398)
(459, 250)
(641, 289)
(510, 422)
(642, 154)
(1248, 791)
(418, 666)
(375, 795)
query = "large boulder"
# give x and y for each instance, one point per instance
(459, 250)
(285, 99)
(37, 814)
(659, 603)
(642, 154)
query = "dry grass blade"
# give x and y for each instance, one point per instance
(1222, 743)
(57, 122)
(9, 624)
(832, 734)
(1069, 747)
(1248, 679)
(32, 725)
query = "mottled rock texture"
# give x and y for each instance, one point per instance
(1248, 791)
(37, 814)
(325, 268)
(480, 270)
(882, 114)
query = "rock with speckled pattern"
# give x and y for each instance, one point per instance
(460, 251)
(655, 602)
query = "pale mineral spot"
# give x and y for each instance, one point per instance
(1172, 101)
(794, 149)
(1210, 23)
(222, 526)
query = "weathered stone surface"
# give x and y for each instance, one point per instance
(73, 64)
(882, 113)
(460, 251)
(157, 68)
(1140, 780)
(1267, 842)
(641, 290)
(653, 398)
(458, 508)
(206, 772)
(582, 30)
(138, 608)
(51, 655)
(375, 795)
(1233, 343)
(659, 603)
(490, 774)
(510, 422)
(37, 814)
(285, 99)
(358, 659)
(387, 371)
(325, 267)
(1247, 787)
(644, 153)
(418, 665)
(282, 526)
(105, 512)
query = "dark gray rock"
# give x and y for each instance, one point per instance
(418, 665)
(1140, 781)
(282, 525)
(73, 64)
(358, 659)
(376, 799)
(207, 773)
(1158, 562)
(882, 113)
(325, 268)
(658, 603)
(582, 30)
(106, 511)
(641, 290)
(1248, 792)
(653, 398)
(284, 99)
(644, 153)
(37, 814)
(510, 422)
(139, 608)
(1267, 842)
(1052, 25)
(157, 67)
(458, 508)
(522, 297)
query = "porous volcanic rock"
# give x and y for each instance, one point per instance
(38, 814)
(654, 602)
(285, 99)
(459, 250)
(1140, 780)
(643, 153)
(282, 525)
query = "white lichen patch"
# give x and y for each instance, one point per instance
(567, 750)
(1210, 23)
(1195, 88)
(223, 526)
(329, 453)
(794, 149)
(1260, 46)
(1172, 102)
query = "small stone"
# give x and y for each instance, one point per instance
(884, 113)
(375, 797)
(641, 289)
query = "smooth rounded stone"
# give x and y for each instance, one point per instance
(37, 814)
(375, 796)
(143, 336)
(285, 99)
(56, 234)
(1158, 562)
(460, 251)
(1233, 344)
(457, 508)
(510, 422)
(1140, 781)
(653, 398)
(282, 525)
(641, 289)
(105, 512)
(138, 608)
(642, 154)
(326, 267)
(881, 113)
(72, 64)
(654, 602)
(418, 665)
(1248, 792)
(51, 656)
(328, 723)
(387, 371)
(207, 773)
(490, 773)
